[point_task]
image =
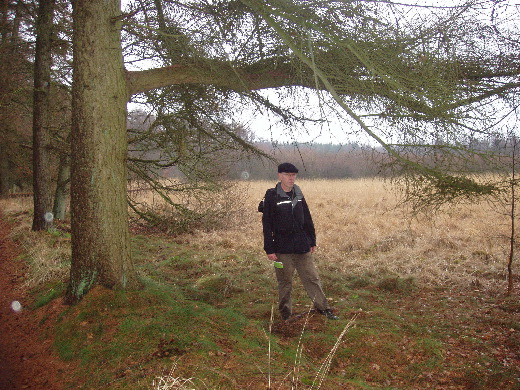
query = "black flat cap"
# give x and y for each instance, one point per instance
(287, 168)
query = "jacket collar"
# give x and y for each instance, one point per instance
(298, 194)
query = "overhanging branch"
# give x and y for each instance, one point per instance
(212, 72)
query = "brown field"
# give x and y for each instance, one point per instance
(362, 231)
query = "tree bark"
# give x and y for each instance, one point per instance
(42, 218)
(4, 159)
(513, 216)
(7, 53)
(99, 215)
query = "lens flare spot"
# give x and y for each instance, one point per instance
(16, 306)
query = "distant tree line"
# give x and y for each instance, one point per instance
(159, 148)
(156, 146)
(327, 161)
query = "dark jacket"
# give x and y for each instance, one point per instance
(287, 223)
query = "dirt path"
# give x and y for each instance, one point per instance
(27, 360)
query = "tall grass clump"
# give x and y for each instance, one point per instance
(172, 382)
(48, 253)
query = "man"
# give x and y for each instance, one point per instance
(290, 241)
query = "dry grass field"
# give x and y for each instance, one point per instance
(362, 231)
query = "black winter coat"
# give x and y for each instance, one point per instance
(287, 223)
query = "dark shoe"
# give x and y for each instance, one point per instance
(286, 316)
(329, 314)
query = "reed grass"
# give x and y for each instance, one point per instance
(362, 230)
(173, 382)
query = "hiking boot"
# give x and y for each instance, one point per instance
(329, 314)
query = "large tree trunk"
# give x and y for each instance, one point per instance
(99, 214)
(42, 218)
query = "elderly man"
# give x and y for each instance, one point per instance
(290, 241)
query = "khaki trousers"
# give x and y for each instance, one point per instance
(304, 264)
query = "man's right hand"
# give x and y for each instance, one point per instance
(272, 257)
